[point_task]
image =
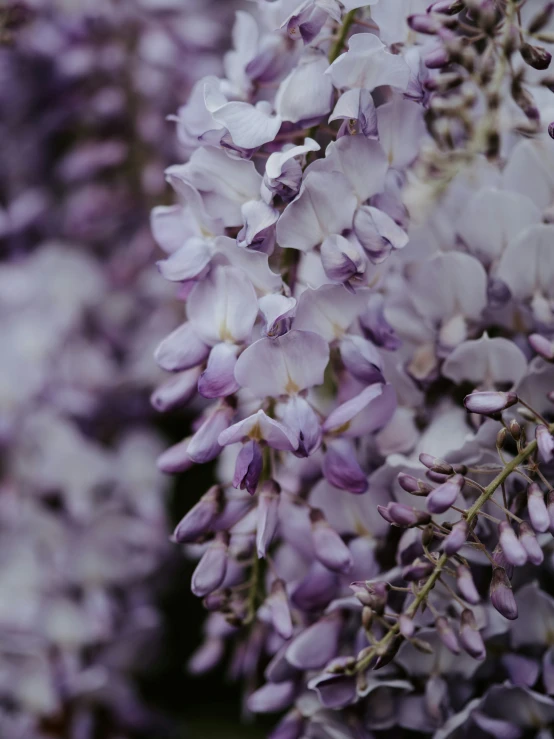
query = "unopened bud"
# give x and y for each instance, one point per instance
(447, 635)
(367, 617)
(412, 485)
(530, 544)
(551, 132)
(456, 538)
(511, 546)
(489, 402)
(515, 430)
(501, 438)
(437, 58)
(406, 625)
(402, 515)
(448, 7)
(441, 498)
(543, 346)
(466, 586)
(538, 512)
(435, 464)
(419, 569)
(470, 638)
(424, 23)
(501, 594)
(535, 56)
(545, 443)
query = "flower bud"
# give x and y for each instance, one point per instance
(268, 516)
(540, 344)
(200, 517)
(402, 515)
(440, 499)
(466, 586)
(278, 605)
(418, 570)
(545, 443)
(456, 538)
(538, 512)
(489, 402)
(424, 23)
(437, 58)
(515, 430)
(372, 594)
(470, 638)
(447, 635)
(501, 438)
(406, 625)
(551, 134)
(248, 467)
(530, 544)
(448, 7)
(412, 485)
(511, 546)
(501, 594)
(212, 568)
(535, 56)
(500, 560)
(329, 548)
(314, 647)
(435, 464)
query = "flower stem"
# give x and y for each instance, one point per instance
(336, 49)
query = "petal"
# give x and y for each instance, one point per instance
(486, 361)
(223, 307)
(218, 379)
(368, 64)
(285, 365)
(329, 310)
(492, 218)
(362, 161)
(250, 126)
(357, 105)
(187, 262)
(401, 128)
(275, 309)
(363, 414)
(317, 211)
(259, 220)
(181, 350)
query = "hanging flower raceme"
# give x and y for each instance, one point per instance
(368, 257)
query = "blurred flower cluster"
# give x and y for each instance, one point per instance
(85, 90)
(363, 241)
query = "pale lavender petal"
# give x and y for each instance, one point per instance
(218, 379)
(285, 365)
(223, 307)
(181, 350)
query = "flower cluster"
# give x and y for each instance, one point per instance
(369, 538)
(83, 529)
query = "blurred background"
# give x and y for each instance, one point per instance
(97, 622)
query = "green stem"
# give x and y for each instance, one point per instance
(336, 49)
